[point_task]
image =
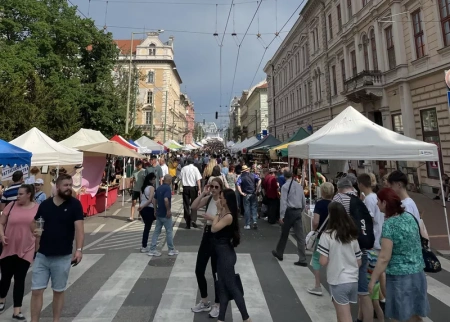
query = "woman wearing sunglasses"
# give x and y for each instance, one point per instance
(209, 198)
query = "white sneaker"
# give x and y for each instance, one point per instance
(202, 307)
(173, 252)
(154, 253)
(247, 227)
(145, 249)
(214, 311)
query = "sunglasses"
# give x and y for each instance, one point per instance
(215, 187)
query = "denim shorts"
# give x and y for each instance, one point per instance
(363, 281)
(55, 267)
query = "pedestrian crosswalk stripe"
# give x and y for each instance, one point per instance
(105, 304)
(438, 290)
(180, 293)
(445, 263)
(319, 308)
(75, 273)
(95, 242)
(254, 296)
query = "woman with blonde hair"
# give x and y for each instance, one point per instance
(209, 169)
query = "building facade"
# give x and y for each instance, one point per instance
(386, 58)
(160, 108)
(211, 130)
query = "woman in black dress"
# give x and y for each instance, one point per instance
(226, 237)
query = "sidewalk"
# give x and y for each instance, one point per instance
(434, 218)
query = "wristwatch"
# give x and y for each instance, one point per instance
(79, 249)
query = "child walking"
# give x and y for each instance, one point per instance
(339, 251)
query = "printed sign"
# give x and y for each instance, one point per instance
(7, 172)
(426, 152)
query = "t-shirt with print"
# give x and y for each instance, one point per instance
(342, 259)
(138, 176)
(371, 202)
(321, 208)
(406, 257)
(410, 206)
(59, 226)
(161, 193)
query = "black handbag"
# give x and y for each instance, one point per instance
(4, 226)
(237, 279)
(432, 263)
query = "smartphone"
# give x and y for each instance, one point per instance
(74, 263)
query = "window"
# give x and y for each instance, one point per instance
(149, 97)
(397, 123)
(343, 72)
(390, 47)
(148, 118)
(349, 9)
(366, 53)
(317, 38)
(330, 26)
(444, 9)
(353, 59)
(314, 40)
(339, 16)
(316, 87)
(374, 50)
(320, 87)
(418, 34)
(430, 132)
(152, 50)
(306, 94)
(333, 75)
(300, 98)
(151, 77)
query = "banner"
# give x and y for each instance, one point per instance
(7, 172)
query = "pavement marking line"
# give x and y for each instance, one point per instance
(180, 293)
(445, 263)
(107, 235)
(319, 308)
(98, 229)
(107, 301)
(438, 290)
(119, 243)
(116, 212)
(75, 273)
(292, 239)
(255, 300)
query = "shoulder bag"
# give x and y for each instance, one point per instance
(311, 238)
(6, 223)
(432, 263)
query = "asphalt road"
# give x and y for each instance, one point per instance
(116, 283)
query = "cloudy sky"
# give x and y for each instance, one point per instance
(193, 23)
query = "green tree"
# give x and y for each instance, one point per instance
(237, 132)
(199, 133)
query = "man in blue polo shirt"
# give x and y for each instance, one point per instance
(163, 196)
(10, 193)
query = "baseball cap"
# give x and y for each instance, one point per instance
(39, 181)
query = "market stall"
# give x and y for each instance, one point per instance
(13, 158)
(172, 145)
(141, 149)
(244, 144)
(84, 137)
(351, 136)
(117, 138)
(282, 149)
(155, 147)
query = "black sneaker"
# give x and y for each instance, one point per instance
(255, 226)
(2, 307)
(301, 264)
(19, 317)
(274, 253)
(437, 198)
(194, 225)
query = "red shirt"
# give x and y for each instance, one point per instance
(271, 186)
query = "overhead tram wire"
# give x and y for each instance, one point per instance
(177, 3)
(80, 12)
(277, 34)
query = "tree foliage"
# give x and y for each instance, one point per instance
(56, 72)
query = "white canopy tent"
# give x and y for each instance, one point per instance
(351, 136)
(244, 144)
(46, 151)
(84, 137)
(150, 144)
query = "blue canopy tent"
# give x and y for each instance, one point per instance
(11, 155)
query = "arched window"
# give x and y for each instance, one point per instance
(152, 50)
(151, 77)
(366, 52)
(373, 45)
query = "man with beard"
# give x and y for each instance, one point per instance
(63, 220)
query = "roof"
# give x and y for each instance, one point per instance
(265, 85)
(125, 44)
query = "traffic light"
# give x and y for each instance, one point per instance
(217, 115)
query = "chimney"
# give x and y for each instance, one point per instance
(170, 42)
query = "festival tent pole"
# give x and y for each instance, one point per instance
(124, 175)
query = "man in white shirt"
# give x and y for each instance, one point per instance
(163, 165)
(191, 180)
(292, 203)
(398, 182)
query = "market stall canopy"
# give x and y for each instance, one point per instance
(141, 149)
(122, 141)
(246, 143)
(282, 150)
(11, 155)
(84, 137)
(351, 136)
(171, 144)
(45, 150)
(267, 142)
(112, 148)
(150, 144)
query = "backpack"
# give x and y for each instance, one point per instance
(361, 216)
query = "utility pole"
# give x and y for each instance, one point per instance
(256, 129)
(127, 118)
(165, 120)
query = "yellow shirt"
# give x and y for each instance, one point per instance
(173, 169)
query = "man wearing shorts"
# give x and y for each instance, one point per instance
(63, 221)
(138, 181)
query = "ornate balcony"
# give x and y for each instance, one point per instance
(364, 87)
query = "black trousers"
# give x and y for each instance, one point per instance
(292, 219)
(17, 267)
(228, 289)
(189, 195)
(273, 210)
(205, 252)
(148, 216)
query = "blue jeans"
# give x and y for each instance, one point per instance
(250, 208)
(167, 223)
(363, 281)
